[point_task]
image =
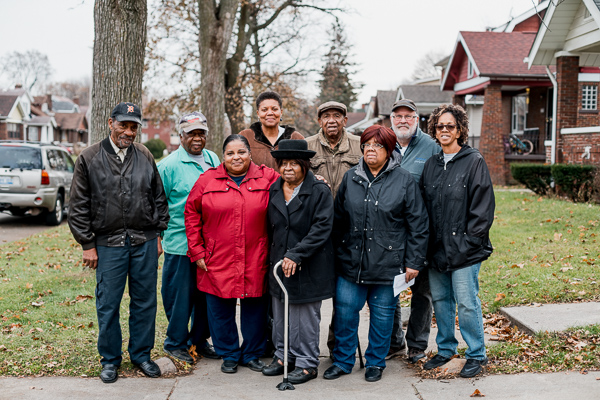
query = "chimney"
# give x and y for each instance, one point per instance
(18, 86)
(49, 101)
(76, 100)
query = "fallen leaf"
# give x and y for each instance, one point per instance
(477, 393)
(500, 296)
(28, 286)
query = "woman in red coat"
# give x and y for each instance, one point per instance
(225, 221)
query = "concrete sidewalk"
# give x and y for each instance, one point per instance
(399, 381)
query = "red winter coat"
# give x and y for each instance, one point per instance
(227, 226)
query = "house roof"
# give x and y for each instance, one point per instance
(554, 33)
(354, 117)
(425, 94)
(40, 120)
(493, 55)
(510, 25)
(7, 102)
(385, 100)
(70, 121)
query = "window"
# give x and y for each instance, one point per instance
(519, 113)
(33, 133)
(470, 69)
(69, 164)
(589, 97)
(13, 131)
(56, 160)
(156, 136)
(144, 123)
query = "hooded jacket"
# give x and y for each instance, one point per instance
(261, 148)
(380, 227)
(111, 200)
(227, 226)
(460, 201)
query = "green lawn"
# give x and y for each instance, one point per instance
(546, 250)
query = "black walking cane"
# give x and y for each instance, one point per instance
(285, 385)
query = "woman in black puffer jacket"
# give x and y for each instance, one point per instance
(457, 190)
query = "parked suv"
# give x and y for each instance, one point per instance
(35, 178)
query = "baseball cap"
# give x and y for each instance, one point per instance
(329, 105)
(127, 112)
(191, 121)
(405, 103)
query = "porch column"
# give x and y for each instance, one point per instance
(491, 143)
(567, 71)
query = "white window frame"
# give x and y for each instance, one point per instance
(470, 72)
(519, 111)
(589, 97)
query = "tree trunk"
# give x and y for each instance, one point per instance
(119, 50)
(216, 26)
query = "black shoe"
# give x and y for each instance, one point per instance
(229, 367)
(275, 368)
(395, 351)
(415, 354)
(109, 373)
(334, 372)
(298, 376)
(437, 361)
(149, 368)
(209, 352)
(373, 374)
(180, 354)
(255, 365)
(472, 367)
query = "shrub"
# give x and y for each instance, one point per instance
(536, 177)
(574, 180)
(156, 147)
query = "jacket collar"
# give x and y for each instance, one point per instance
(342, 147)
(260, 136)
(107, 146)
(394, 162)
(296, 203)
(464, 151)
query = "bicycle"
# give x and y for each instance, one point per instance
(519, 146)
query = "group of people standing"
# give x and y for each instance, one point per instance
(347, 215)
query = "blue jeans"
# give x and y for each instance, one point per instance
(349, 299)
(182, 300)
(224, 331)
(449, 290)
(136, 265)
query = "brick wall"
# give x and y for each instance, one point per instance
(493, 131)
(567, 72)
(573, 148)
(3, 134)
(586, 117)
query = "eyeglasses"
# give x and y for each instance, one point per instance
(405, 117)
(374, 146)
(449, 127)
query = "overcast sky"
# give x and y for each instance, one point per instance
(387, 36)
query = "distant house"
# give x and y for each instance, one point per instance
(569, 40)
(164, 130)
(501, 95)
(22, 119)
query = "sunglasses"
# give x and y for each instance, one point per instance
(449, 127)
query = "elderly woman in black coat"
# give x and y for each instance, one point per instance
(300, 221)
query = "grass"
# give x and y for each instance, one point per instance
(546, 250)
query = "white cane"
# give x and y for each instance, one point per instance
(285, 384)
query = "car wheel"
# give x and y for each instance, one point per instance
(55, 216)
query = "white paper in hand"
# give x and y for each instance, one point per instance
(400, 283)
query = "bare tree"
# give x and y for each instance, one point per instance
(119, 49)
(30, 69)
(425, 66)
(72, 89)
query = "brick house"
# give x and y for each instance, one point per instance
(164, 130)
(569, 40)
(21, 118)
(500, 93)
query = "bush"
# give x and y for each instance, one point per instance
(574, 180)
(536, 177)
(156, 147)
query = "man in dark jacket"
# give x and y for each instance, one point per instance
(416, 148)
(117, 210)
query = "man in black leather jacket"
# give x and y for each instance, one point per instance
(117, 210)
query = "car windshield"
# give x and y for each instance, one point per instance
(20, 157)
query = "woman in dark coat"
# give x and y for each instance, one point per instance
(300, 221)
(380, 231)
(457, 190)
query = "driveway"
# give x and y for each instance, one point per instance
(17, 228)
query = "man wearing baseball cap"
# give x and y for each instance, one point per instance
(116, 212)
(416, 147)
(337, 150)
(181, 298)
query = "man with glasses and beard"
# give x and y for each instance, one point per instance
(416, 147)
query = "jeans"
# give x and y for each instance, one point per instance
(449, 290)
(182, 300)
(224, 331)
(138, 266)
(421, 310)
(349, 299)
